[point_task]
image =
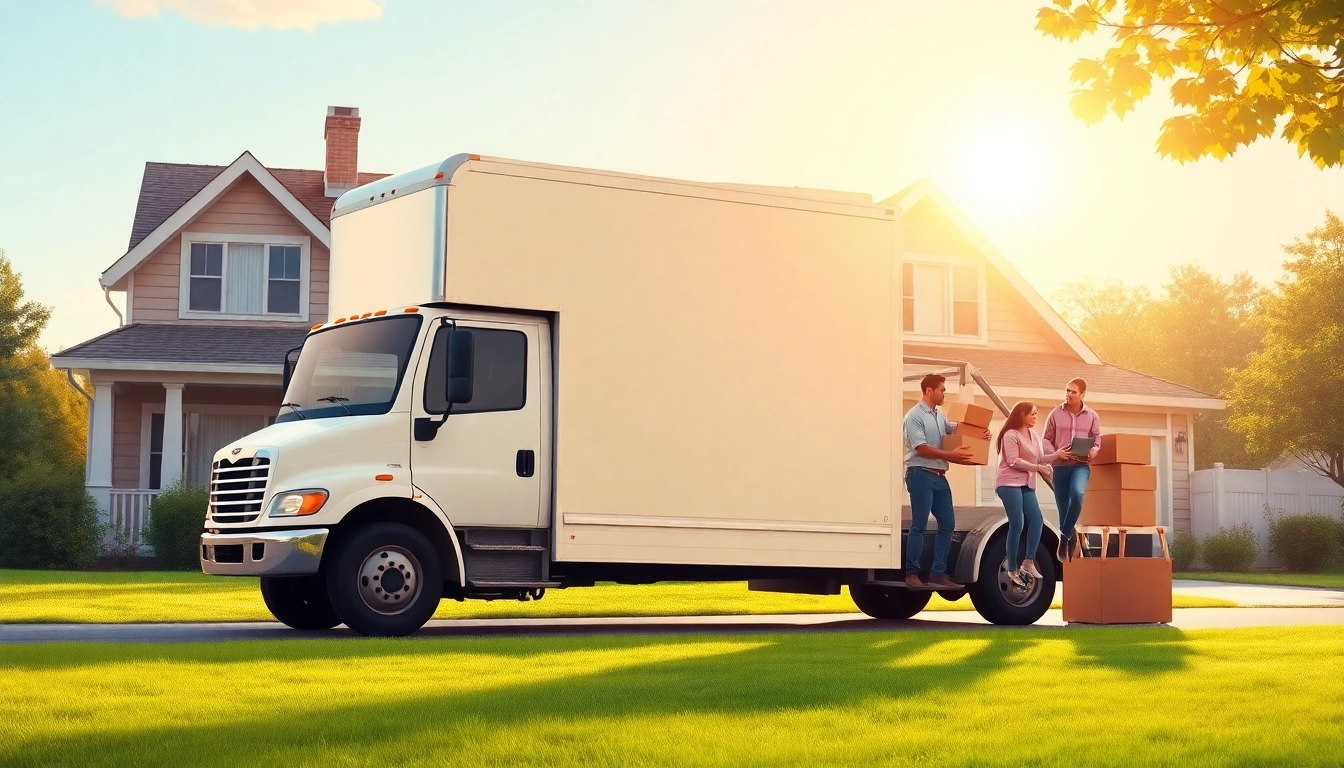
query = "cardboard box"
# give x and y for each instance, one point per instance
(1129, 477)
(968, 414)
(969, 430)
(1118, 507)
(1124, 449)
(1118, 590)
(979, 445)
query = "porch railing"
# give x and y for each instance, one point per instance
(128, 512)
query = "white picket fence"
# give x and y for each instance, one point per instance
(1221, 498)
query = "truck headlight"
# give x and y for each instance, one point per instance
(296, 503)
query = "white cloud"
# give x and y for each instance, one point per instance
(254, 14)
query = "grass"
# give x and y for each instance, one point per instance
(1062, 697)
(158, 596)
(1328, 580)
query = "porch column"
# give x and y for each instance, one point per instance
(171, 470)
(99, 479)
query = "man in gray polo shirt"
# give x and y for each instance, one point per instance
(926, 481)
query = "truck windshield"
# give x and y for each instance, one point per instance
(351, 370)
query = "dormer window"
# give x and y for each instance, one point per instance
(943, 299)
(244, 277)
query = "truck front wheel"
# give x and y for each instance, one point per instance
(385, 580)
(299, 601)
(888, 603)
(999, 600)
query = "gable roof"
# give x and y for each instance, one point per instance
(924, 189)
(172, 194)
(173, 346)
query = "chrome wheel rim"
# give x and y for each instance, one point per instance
(1017, 596)
(389, 580)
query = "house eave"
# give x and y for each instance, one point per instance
(112, 364)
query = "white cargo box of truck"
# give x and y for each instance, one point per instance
(726, 359)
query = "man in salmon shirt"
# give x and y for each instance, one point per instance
(1068, 420)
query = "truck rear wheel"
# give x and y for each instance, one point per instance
(888, 603)
(385, 580)
(999, 600)
(299, 601)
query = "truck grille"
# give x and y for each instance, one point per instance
(237, 489)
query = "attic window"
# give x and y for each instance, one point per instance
(941, 299)
(245, 277)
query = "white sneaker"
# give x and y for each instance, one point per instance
(1030, 567)
(1016, 578)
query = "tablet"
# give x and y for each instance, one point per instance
(1082, 445)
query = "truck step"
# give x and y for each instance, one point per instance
(505, 547)
(513, 584)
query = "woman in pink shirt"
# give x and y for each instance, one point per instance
(1021, 456)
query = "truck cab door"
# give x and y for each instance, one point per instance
(486, 464)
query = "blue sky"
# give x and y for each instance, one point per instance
(861, 95)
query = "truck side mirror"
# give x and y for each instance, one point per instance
(461, 364)
(290, 362)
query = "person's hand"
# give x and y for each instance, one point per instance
(1067, 454)
(987, 436)
(962, 455)
(1046, 470)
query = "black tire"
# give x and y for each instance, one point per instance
(373, 557)
(889, 603)
(998, 600)
(299, 601)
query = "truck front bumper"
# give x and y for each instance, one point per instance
(273, 553)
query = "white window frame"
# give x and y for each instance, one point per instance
(148, 409)
(184, 283)
(982, 300)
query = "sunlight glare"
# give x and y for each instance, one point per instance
(1003, 168)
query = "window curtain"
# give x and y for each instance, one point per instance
(246, 279)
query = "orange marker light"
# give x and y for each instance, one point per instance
(315, 327)
(383, 478)
(380, 313)
(341, 320)
(411, 309)
(438, 175)
(366, 314)
(473, 157)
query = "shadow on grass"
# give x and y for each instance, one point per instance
(768, 674)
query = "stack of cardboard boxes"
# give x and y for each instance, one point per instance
(971, 421)
(1120, 581)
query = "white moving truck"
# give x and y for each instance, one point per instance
(540, 377)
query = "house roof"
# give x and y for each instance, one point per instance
(926, 190)
(1048, 373)
(166, 187)
(183, 347)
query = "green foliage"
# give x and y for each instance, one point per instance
(42, 420)
(1242, 69)
(1192, 332)
(175, 521)
(1184, 551)
(1305, 543)
(47, 519)
(1288, 396)
(1231, 549)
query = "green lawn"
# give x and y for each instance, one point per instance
(1331, 580)
(64, 596)
(1061, 697)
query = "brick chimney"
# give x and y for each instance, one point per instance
(342, 135)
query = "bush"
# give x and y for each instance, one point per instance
(1231, 549)
(1184, 551)
(47, 519)
(1307, 543)
(176, 519)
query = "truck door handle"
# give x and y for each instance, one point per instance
(527, 463)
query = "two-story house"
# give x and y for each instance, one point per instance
(964, 301)
(225, 272)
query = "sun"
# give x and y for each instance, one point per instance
(1002, 168)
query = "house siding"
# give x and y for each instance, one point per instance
(1180, 475)
(246, 209)
(1011, 323)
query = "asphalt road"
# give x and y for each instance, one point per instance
(1185, 618)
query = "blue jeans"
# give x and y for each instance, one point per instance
(1019, 502)
(929, 492)
(1070, 483)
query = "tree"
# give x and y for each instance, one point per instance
(1242, 68)
(1194, 332)
(41, 418)
(1290, 395)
